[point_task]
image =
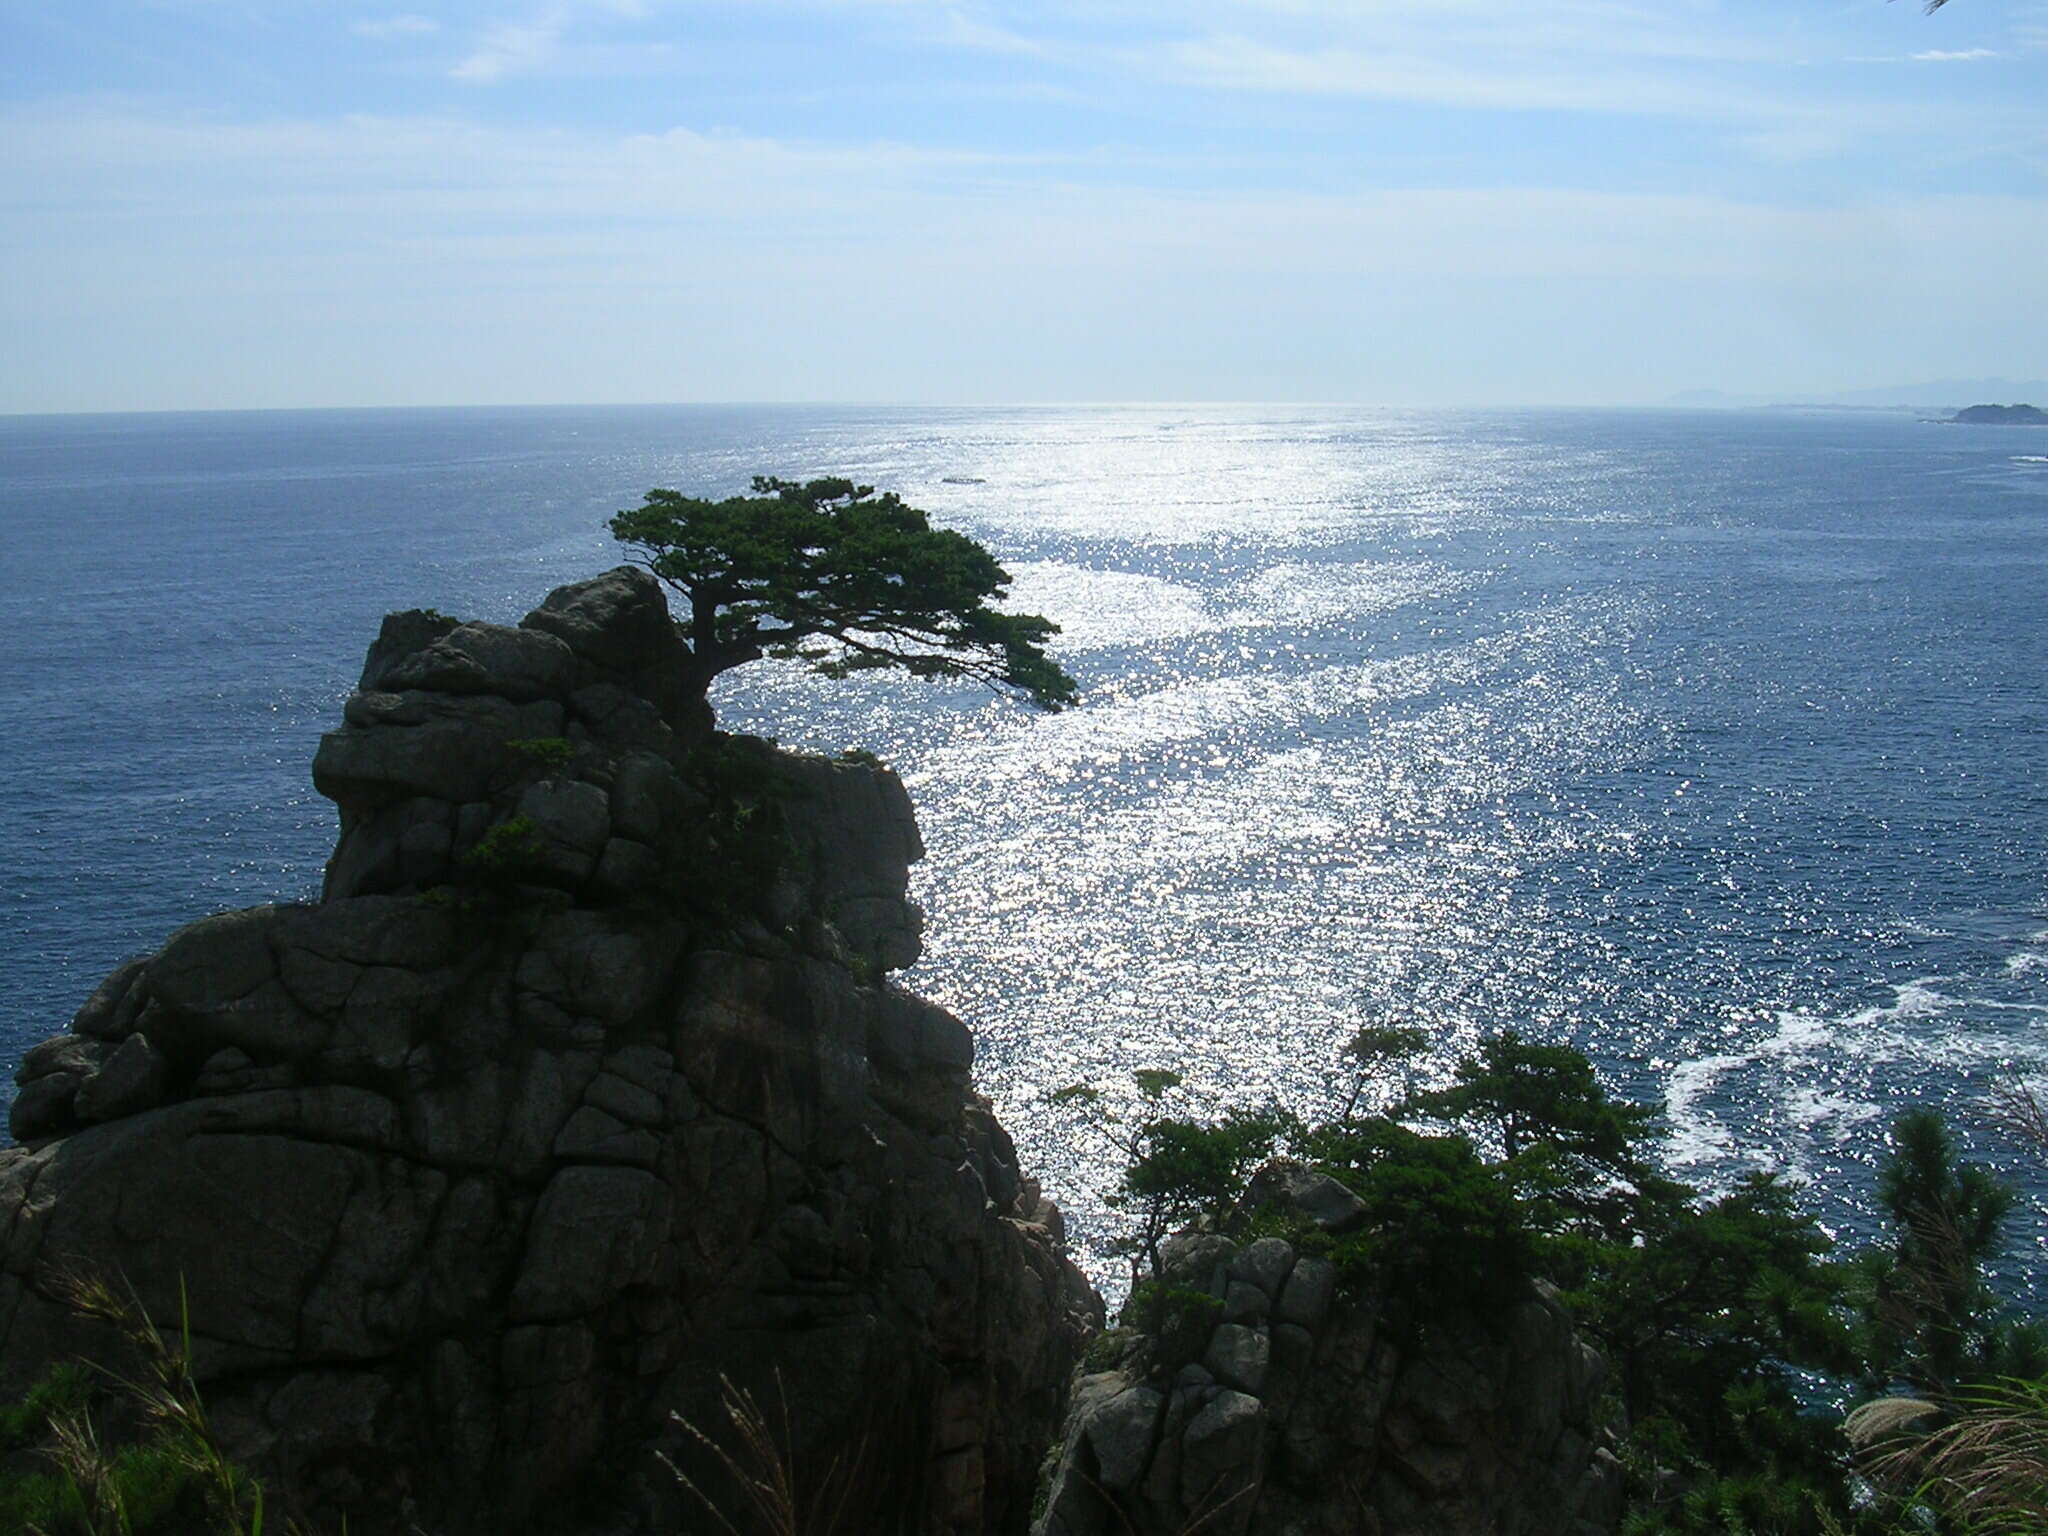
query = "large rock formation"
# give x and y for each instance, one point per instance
(1264, 1398)
(581, 1091)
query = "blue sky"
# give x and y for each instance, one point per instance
(304, 202)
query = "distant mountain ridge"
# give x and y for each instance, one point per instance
(1935, 394)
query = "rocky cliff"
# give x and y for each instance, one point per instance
(1266, 1397)
(582, 1090)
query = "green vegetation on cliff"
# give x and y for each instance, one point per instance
(1735, 1337)
(90, 1452)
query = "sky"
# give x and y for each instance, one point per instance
(269, 203)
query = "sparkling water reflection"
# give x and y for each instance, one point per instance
(1710, 744)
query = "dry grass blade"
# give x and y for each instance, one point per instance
(166, 1392)
(1924, 1290)
(1885, 1419)
(761, 1464)
(1214, 1506)
(81, 1461)
(1213, 1509)
(1987, 1467)
(2015, 1107)
(710, 1505)
(1110, 1503)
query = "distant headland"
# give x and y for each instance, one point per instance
(2002, 416)
(1925, 398)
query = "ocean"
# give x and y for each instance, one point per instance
(1710, 743)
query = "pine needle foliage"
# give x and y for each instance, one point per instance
(841, 578)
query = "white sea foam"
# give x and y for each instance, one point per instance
(1814, 1111)
(1827, 1074)
(1694, 1134)
(1911, 1000)
(2031, 959)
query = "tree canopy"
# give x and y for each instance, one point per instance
(832, 574)
(1529, 1094)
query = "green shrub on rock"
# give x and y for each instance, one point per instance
(1176, 1319)
(1441, 1227)
(1730, 1329)
(165, 1474)
(545, 751)
(502, 851)
(1178, 1170)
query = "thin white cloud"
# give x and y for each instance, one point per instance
(1799, 140)
(540, 44)
(390, 27)
(1242, 63)
(1603, 28)
(960, 30)
(113, 160)
(146, 163)
(1948, 56)
(511, 49)
(436, 258)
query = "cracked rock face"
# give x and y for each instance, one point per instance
(1306, 1414)
(579, 1093)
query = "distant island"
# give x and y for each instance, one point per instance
(2002, 416)
(1927, 397)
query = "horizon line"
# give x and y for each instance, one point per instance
(1790, 401)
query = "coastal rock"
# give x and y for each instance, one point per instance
(131, 1079)
(618, 621)
(1337, 1420)
(1294, 1186)
(581, 1102)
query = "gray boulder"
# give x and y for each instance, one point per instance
(560, 754)
(618, 621)
(133, 1078)
(516, 664)
(1295, 1187)
(400, 636)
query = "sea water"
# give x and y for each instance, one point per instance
(1709, 743)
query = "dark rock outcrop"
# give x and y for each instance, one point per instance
(580, 1093)
(1277, 1403)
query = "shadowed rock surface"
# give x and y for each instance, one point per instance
(580, 1090)
(1289, 1406)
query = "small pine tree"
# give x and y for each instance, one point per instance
(1931, 1318)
